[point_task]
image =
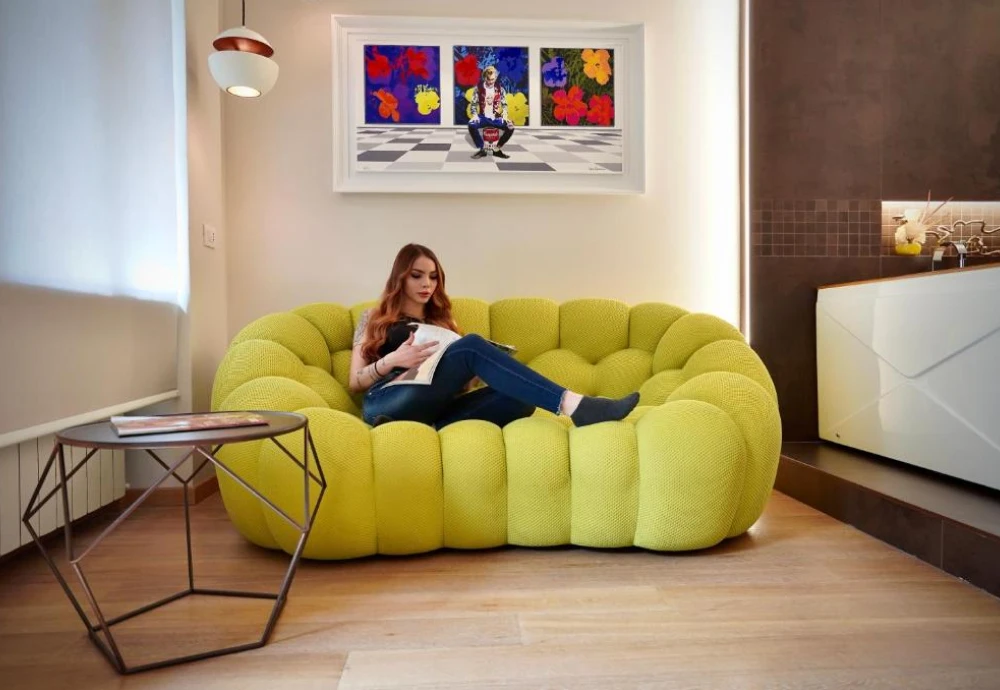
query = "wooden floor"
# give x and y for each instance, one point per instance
(801, 602)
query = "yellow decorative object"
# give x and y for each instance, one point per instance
(691, 466)
(908, 248)
(914, 226)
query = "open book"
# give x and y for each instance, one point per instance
(424, 373)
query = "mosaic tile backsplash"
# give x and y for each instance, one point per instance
(856, 227)
(967, 211)
(817, 227)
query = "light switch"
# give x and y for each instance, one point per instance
(208, 235)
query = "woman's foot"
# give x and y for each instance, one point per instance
(591, 410)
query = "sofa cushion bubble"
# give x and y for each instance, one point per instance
(593, 328)
(529, 324)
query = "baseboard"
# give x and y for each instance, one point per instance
(174, 495)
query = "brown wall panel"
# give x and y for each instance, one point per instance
(854, 102)
(942, 99)
(816, 115)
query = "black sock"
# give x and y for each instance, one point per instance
(595, 410)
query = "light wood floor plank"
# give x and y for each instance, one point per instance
(801, 602)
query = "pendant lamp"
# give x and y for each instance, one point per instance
(243, 65)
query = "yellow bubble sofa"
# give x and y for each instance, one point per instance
(692, 465)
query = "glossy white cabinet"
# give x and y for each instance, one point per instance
(909, 368)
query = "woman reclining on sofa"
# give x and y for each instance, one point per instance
(384, 348)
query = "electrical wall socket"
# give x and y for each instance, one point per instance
(208, 235)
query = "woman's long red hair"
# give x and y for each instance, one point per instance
(390, 306)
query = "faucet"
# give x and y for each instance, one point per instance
(962, 251)
(937, 256)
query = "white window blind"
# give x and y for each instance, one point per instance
(93, 205)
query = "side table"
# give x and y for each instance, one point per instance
(101, 435)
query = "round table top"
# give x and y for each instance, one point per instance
(102, 434)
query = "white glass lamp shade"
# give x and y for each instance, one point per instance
(243, 65)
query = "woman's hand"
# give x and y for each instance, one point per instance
(409, 355)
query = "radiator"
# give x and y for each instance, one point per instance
(98, 484)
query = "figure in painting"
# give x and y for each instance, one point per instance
(489, 110)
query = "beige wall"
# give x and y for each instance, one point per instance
(292, 240)
(202, 334)
(208, 304)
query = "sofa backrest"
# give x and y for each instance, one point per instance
(594, 346)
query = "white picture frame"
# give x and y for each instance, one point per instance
(351, 33)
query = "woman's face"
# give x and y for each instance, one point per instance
(421, 281)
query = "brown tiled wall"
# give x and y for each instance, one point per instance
(857, 227)
(816, 227)
(853, 102)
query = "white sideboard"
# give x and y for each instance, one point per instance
(909, 368)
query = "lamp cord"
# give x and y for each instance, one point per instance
(244, 12)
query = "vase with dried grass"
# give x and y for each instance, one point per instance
(911, 234)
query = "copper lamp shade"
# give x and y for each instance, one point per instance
(243, 65)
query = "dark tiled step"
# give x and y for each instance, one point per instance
(946, 522)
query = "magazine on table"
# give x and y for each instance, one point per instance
(424, 333)
(174, 423)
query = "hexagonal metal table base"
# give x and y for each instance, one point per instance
(101, 633)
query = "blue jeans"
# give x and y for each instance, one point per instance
(496, 123)
(514, 390)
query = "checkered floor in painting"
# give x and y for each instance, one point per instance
(450, 149)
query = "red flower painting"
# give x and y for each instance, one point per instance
(467, 71)
(602, 111)
(416, 61)
(378, 68)
(569, 106)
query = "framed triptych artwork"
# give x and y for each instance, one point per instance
(487, 106)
